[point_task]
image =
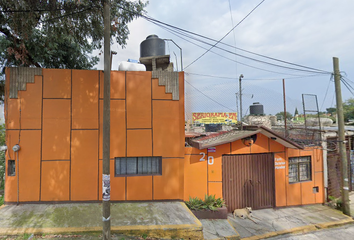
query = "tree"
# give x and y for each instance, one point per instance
(296, 112)
(348, 109)
(61, 33)
(280, 115)
(331, 111)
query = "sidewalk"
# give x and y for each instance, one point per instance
(164, 220)
(154, 219)
(274, 222)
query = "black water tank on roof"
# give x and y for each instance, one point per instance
(152, 46)
(256, 109)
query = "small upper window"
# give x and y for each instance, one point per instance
(138, 166)
(11, 168)
(299, 169)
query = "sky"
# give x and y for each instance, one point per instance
(304, 32)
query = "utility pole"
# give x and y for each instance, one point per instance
(284, 99)
(106, 180)
(342, 147)
(240, 78)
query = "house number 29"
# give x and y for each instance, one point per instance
(210, 158)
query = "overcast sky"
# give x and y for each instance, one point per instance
(304, 32)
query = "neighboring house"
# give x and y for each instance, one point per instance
(55, 116)
(254, 167)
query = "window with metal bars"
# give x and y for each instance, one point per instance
(138, 166)
(299, 169)
(11, 168)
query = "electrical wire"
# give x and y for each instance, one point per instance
(225, 34)
(252, 79)
(247, 65)
(209, 97)
(329, 82)
(180, 30)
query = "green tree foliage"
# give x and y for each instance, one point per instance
(280, 115)
(2, 158)
(331, 111)
(348, 109)
(296, 112)
(61, 33)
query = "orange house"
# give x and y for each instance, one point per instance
(55, 116)
(253, 167)
(54, 136)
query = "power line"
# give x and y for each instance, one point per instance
(174, 32)
(252, 79)
(209, 97)
(186, 32)
(226, 34)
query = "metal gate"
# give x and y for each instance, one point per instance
(248, 181)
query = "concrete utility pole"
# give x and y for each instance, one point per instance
(106, 181)
(342, 147)
(240, 78)
(284, 99)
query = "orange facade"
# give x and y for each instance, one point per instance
(58, 119)
(203, 171)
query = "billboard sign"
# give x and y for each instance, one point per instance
(214, 117)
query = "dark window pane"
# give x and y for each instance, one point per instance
(131, 165)
(138, 166)
(305, 172)
(11, 168)
(293, 173)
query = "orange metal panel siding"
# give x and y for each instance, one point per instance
(84, 99)
(138, 99)
(84, 165)
(215, 188)
(55, 181)
(117, 84)
(11, 181)
(117, 184)
(275, 146)
(139, 143)
(192, 150)
(167, 142)
(139, 188)
(118, 130)
(168, 185)
(195, 177)
(318, 178)
(29, 163)
(31, 105)
(56, 83)
(318, 160)
(215, 170)
(238, 147)
(158, 92)
(280, 181)
(13, 113)
(261, 144)
(307, 195)
(56, 129)
(294, 193)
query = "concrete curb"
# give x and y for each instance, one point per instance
(303, 229)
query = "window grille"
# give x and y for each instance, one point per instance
(137, 166)
(299, 169)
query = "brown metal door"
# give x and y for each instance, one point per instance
(248, 181)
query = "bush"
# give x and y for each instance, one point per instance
(209, 203)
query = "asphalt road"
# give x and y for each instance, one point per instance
(342, 233)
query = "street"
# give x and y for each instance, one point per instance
(345, 232)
